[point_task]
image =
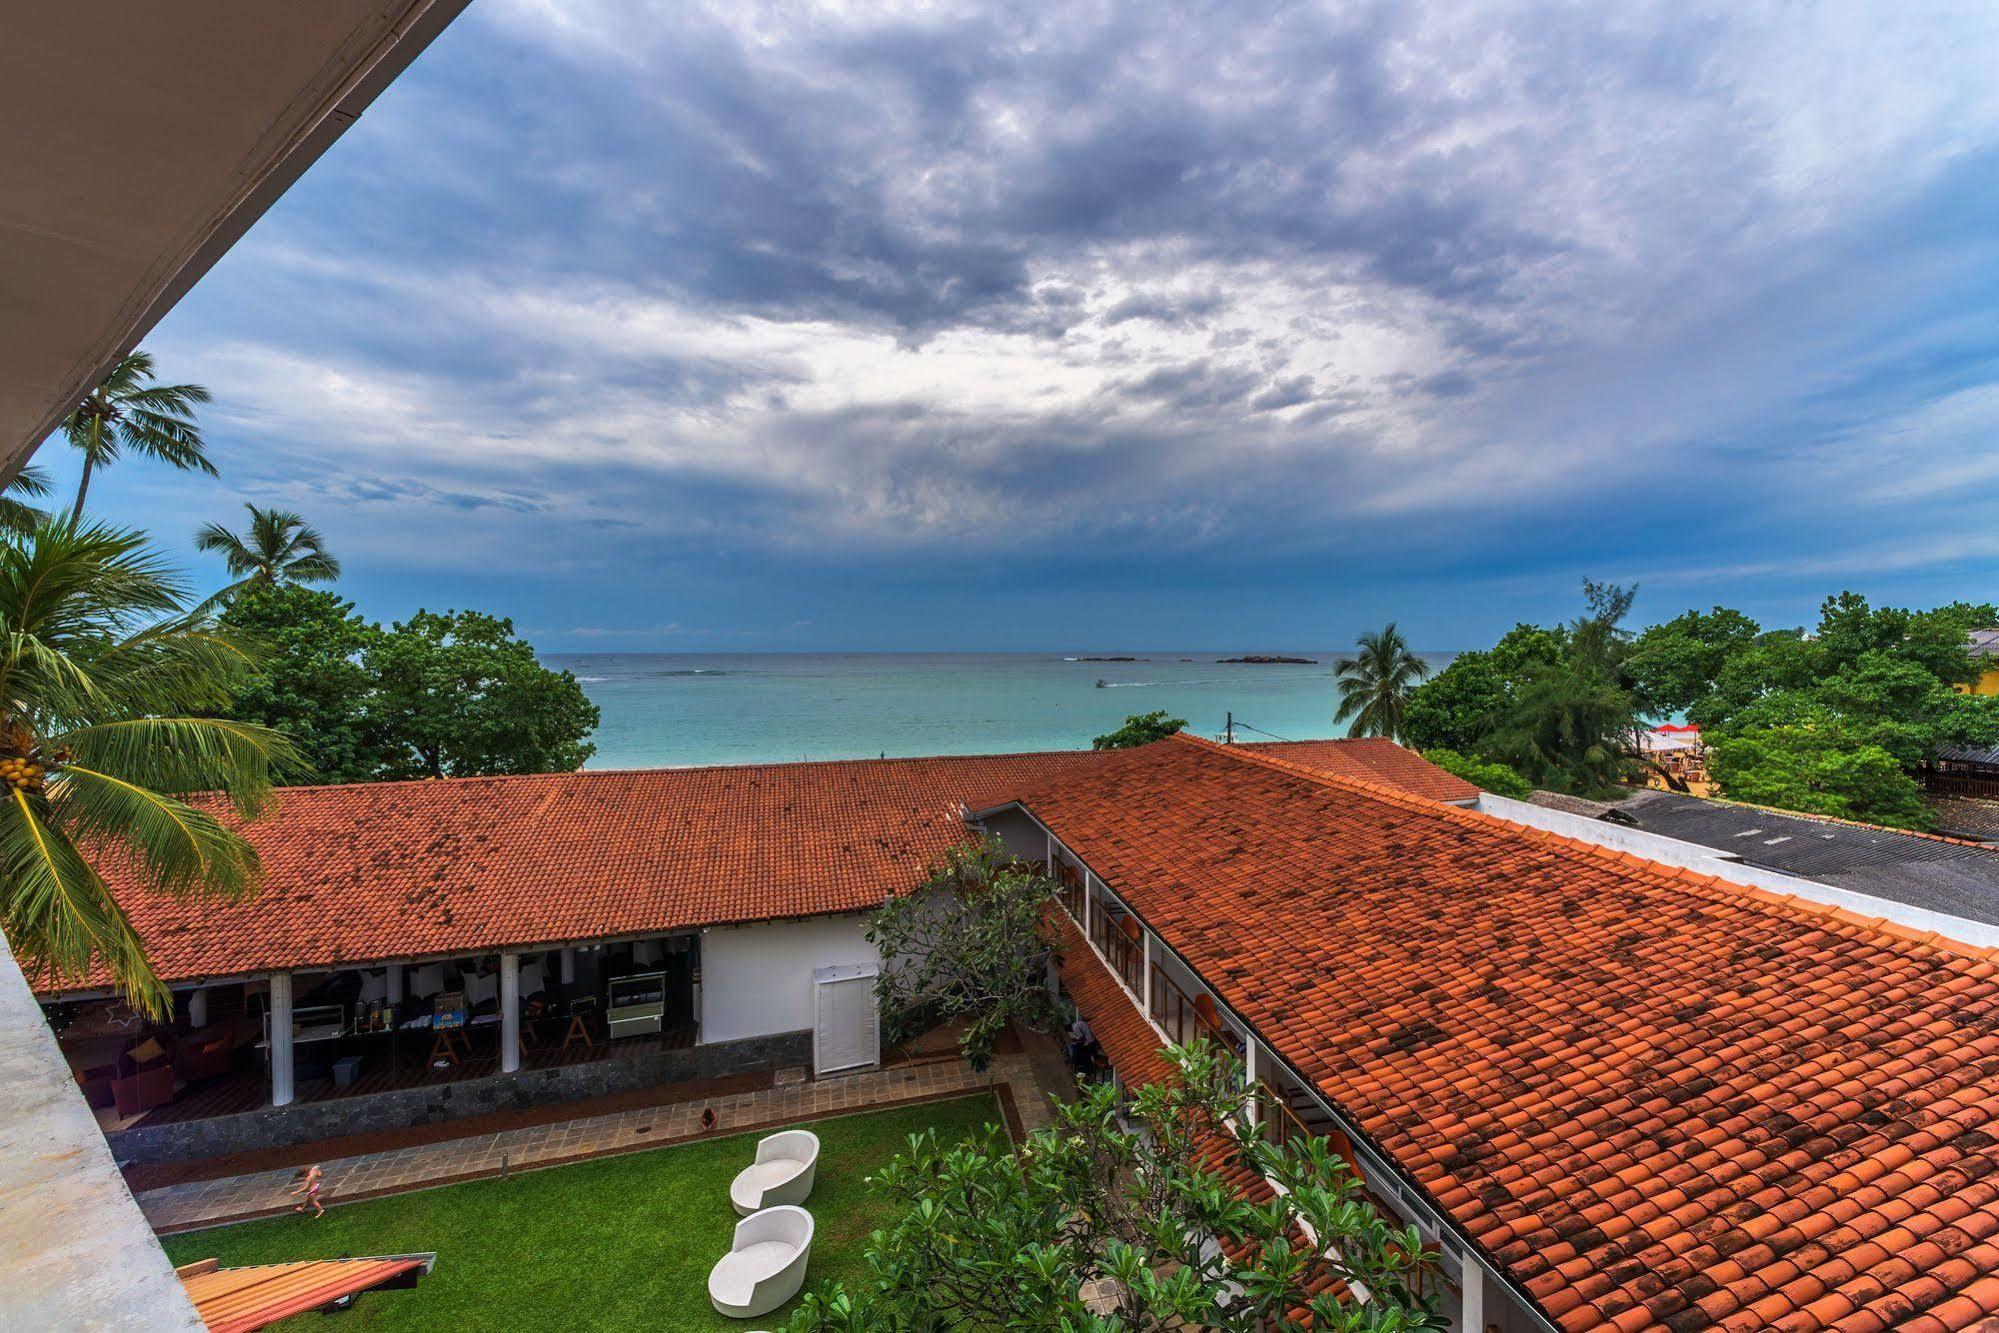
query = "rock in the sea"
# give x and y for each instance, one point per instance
(1266, 659)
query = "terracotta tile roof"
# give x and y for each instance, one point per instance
(369, 871)
(241, 1300)
(1136, 1050)
(1657, 1100)
(1373, 759)
(402, 869)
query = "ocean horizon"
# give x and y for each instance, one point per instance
(679, 710)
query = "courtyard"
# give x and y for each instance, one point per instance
(628, 1237)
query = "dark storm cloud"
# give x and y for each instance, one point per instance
(689, 291)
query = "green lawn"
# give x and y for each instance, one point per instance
(621, 1242)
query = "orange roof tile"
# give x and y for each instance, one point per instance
(380, 870)
(1657, 1100)
(241, 1300)
(1374, 759)
(369, 871)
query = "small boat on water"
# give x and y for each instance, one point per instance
(1103, 684)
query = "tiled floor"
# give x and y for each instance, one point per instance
(230, 1198)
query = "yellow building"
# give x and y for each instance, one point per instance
(1985, 647)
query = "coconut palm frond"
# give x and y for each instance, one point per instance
(127, 410)
(278, 547)
(60, 914)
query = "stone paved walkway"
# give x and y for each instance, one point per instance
(202, 1203)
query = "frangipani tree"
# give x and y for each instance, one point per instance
(104, 680)
(995, 1237)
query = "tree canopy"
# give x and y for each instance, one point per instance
(108, 685)
(990, 1237)
(458, 693)
(277, 547)
(128, 411)
(1375, 682)
(453, 695)
(1829, 721)
(971, 945)
(1140, 729)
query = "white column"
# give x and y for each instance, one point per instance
(1254, 1107)
(281, 1038)
(1145, 974)
(197, 1007)
(510, 1012)
(394, 980)
(1471, 1316)
(1089, 904)
(569, 967)
(1049, 864)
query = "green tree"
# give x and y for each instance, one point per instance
(18, 518)
(1803, 768)
(1484, 774)
(1140, 729)
(1460, 706)
(1674, 665)
(104, 679)
(993, 1238)
(458, 694)
(129, 411)
(1569, 730)
(277, 547)
(1375, 682)
(971, 945)
(312, 684)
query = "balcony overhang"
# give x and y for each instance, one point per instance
(148, 138)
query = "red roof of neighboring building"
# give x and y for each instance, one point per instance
(242, 1300)
(1374, 759)
(1660, 1101)
(371, 871)
(381, 870)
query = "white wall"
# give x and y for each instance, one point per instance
(1018, 834)
(1707, 861)
(756, 981)
(78, 1253)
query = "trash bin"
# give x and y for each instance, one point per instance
(345, 1070)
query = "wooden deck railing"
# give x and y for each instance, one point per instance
(1961, 784)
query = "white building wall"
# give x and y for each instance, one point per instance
(1018, 834)
(78, 1253)
(756, 981)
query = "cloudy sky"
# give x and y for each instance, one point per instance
(1092, 325)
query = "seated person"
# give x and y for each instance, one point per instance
(1083, 1048)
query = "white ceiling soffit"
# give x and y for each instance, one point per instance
(143, 138)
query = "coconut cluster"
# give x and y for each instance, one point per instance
(21, 773)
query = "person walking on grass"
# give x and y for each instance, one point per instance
(308, 1191)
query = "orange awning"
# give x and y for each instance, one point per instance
(240, 1300)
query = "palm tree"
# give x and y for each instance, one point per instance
(17, 516)
(128, 411)
(1375, 683)
(103, 676)
(278, 547)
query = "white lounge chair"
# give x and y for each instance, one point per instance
(766, 1265)
(784, 1171)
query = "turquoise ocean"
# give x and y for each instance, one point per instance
(678, 709)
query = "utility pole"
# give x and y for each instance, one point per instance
(1228, 729)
